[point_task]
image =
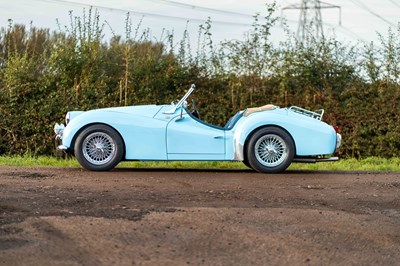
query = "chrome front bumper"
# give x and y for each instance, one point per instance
(59, 130)
(62, 148)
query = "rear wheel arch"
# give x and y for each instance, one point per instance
(266, 126)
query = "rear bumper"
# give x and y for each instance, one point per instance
(338, 141)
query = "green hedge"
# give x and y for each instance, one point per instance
(44, 74)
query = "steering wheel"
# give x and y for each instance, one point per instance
(195, 112)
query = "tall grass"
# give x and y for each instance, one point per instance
(39, 161)
(371, 164)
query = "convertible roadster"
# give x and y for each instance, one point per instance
(267, 139)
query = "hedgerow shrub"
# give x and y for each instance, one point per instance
(44, 74)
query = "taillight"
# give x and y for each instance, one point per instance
(336, 128)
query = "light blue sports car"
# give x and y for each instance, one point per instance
(266, 138)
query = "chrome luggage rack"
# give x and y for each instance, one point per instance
(317, 114)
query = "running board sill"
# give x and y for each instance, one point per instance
(315, 160)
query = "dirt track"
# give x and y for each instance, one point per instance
(159, 217)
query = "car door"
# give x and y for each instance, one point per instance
(191, 139)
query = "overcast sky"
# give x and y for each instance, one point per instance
(360, 19)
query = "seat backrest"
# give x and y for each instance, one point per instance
(267, 107)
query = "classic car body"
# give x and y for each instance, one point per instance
(266, 139)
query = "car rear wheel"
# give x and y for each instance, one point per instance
(99, 148)
(270, 150)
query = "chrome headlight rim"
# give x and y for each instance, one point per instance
(67, 118)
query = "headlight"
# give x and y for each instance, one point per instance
(67, 118)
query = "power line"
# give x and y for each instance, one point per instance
(395, 3)
(341, 28)
(363, 6)
(201, 8)
(147, 14)
(348, 32)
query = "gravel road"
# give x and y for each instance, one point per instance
(54, 216)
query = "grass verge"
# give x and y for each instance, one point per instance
(367, 164)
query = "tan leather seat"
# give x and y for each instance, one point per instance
(267, 107)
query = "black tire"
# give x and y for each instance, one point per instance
(246, 162)
(99, 148)
(270, 150)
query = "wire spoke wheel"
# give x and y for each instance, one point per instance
(270, 150)
(98, 148)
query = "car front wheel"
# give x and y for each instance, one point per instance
(270, 150)
(99, 148)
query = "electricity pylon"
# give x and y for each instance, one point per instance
(310, 18)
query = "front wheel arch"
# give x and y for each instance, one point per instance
(250, 158)
(72, 145)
